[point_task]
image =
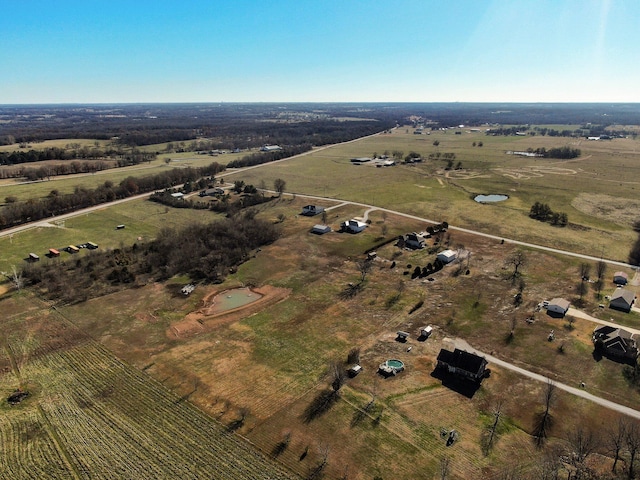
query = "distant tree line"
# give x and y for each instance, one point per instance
(16, 213)
(563, 153)
(204, 252)
(56, 153)
(266, 157)
(543, 213)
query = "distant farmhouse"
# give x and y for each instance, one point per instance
(414, 241)
(463, 364)
(271, 148)
(615, 342)
(353, 226)
(622, 300)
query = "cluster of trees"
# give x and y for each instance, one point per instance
(266, 157)
(428, 269)
(165, 197)
(204, 252)
(55, 203)
(48, 171)
(542, 212)
(563, 153)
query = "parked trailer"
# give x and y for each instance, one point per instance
(119, 227)
(72, 249)
(53, 252)
(33, 257)
(92, 246)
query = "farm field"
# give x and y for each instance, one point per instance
(89, 415)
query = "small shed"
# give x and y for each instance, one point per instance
(402, 336)
(354, 370)
(559, 306)
(312, 210)
(54, 253)
(620, 278)
(33, 257)
(178, 195)
(425, 332)
(72, 249)
(353, 226)
(119, 227)
(320, 229)
(447, 256)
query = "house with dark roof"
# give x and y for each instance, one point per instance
(462, 364)
(622, 300)
(414, 241)
(311, 210)
(615, 342)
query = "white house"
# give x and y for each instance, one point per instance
(447, 256)
(311, 210)
(271, 148)
(559, 306)
(353, 226)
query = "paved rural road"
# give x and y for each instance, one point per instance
(579, 314)
(579, 392)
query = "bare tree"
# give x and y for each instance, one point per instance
(544, 420)
(364, 267)
(517, 260)
(279, 186)
(16, 278)
(615, 436)
(582, 443)
(354, 355)
(601, 269)
(585, 270)
(632, 442)
(338, 375)
(497, 413)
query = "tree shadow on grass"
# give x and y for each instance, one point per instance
(320, 405)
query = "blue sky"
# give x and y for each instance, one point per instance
(294, 51)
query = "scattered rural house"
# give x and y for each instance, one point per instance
(320, 229)
(33, 257)
(178, 195)
(463, 364)
(622, 300)
(620, 278)
(447, 256)
(354, 370)
(187, 289)
(211, 192)
(311, 210)
(414, 241)
(360, 160)
(388, 163)
(559, 306)
(615, 342)
(271, 148)
(353, 226)
(72, 249)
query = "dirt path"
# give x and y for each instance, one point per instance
(579, 392)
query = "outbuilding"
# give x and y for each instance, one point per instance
(311, 210)
(559, 306)
(622, 300)
(320, 229)
(33, 257)
(620, 278)
(447, 256)
(353, 226)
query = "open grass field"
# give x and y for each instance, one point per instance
(606, 174)
(142, 218)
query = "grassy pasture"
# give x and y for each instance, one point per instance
(279, 356)
(58, 143)
(429, 190)
(143, 219)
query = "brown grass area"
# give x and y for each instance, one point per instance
(623, 211)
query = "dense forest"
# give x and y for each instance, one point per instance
(247, 125)
(203, 252)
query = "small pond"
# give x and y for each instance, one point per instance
(490, 198)
(237, 297)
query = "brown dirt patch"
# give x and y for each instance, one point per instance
(622, 211)
(205, 319)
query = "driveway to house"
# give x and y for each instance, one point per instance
(579, 392)
(579, 314)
